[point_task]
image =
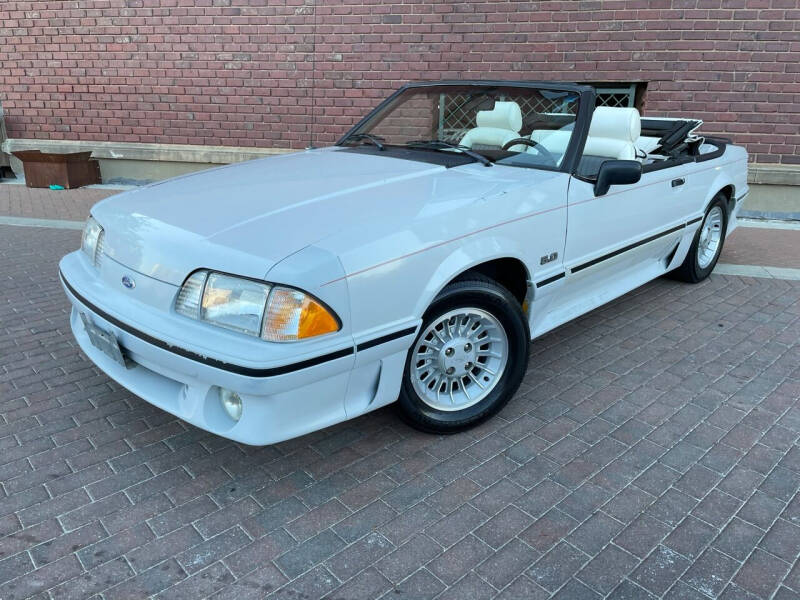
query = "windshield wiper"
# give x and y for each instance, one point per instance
(367, 137)
(442, 145)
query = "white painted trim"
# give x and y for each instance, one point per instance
(773, 174)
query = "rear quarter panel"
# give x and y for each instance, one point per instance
(730, 169)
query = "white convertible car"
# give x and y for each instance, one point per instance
(414, 261)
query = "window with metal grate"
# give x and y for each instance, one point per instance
(457, 111)
(625, 95)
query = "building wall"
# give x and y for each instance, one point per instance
(246, 73)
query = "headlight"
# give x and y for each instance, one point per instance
(92, 240)
(272, 312)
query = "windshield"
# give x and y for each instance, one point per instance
(515, 126)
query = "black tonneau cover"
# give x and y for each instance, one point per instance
(673, 134)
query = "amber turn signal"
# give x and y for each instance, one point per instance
(293, 315)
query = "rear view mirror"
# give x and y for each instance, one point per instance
(617, 172)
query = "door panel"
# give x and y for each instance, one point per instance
(621, 240)
(627, 214)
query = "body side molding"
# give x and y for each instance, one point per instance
(624, 249)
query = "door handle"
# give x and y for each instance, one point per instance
(678, 181)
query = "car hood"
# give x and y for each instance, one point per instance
(248, 216)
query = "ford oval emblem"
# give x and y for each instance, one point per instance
(128, 282)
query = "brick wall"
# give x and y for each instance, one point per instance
(239, 72)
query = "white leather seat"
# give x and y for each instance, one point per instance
(495, 127)
(554, 141)
(613, 133)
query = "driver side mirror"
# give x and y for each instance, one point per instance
(617, 172)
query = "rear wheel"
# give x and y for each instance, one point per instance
(468, 360)
(707, 244)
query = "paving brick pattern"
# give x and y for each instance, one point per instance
(16, 200)
(772, 247)
(652, 452)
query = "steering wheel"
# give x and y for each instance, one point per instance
(544, 152)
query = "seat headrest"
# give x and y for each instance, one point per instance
(617, 123)
(504, 115)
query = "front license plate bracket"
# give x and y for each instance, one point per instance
(105, 341)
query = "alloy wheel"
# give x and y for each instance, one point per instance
(710, 237)
(459, 359)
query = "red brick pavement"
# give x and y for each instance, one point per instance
(763, 247)
(16, 200)
(652, 452)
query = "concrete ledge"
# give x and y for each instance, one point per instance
(772, 201)
(223, 155)
(129, 162)
(212, 155)
(773, 174)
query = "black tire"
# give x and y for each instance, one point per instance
(691, 271)
(475, 292)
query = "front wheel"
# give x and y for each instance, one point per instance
(468, 360)
(707, 244)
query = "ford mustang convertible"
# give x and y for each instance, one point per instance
(413, 261)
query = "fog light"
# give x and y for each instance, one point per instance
(232, 403)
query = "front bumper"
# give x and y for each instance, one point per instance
(282, 398)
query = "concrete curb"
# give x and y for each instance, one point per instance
(47, 223)
(760, 214)
(757, 271)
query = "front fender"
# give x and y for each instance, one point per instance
(469, 255)
(309, 270)
(395, 295)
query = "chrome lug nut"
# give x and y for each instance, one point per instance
(467, 347)
(450, 370)
(449, 352)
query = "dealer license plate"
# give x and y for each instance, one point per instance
(105, 341)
